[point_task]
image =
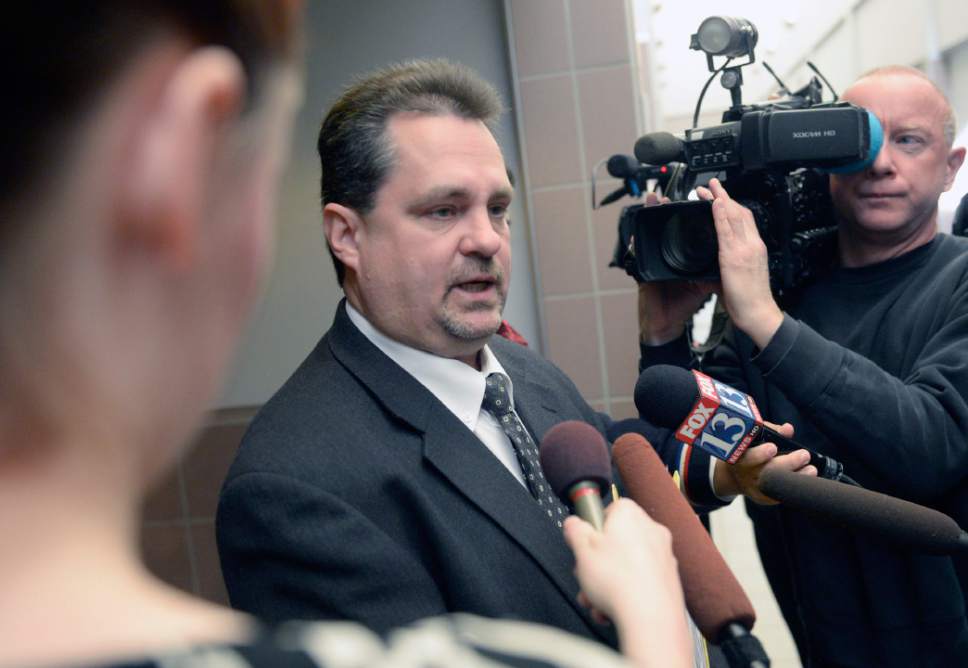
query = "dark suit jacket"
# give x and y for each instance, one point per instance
(356, 494)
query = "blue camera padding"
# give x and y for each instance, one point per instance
(877, 140)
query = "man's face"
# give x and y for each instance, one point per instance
(434, 252)
(897, 196)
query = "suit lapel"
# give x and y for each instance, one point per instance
(477, 473)
(531, 405)
(399, 392)
(473, 469)
(461, 457)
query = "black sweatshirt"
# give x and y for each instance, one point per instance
(871, 367)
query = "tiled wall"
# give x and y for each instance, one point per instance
(178, 527)
(575, 105)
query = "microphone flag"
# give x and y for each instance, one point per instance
(723, 422)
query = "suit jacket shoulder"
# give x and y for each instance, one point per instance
(355, 482)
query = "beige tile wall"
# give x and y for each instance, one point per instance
(575, 103)
(575, 86)
(178, 519)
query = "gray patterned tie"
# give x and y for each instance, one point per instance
(497, 402)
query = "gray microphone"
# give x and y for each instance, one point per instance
(903, 523)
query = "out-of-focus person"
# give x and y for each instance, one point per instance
(140, 161)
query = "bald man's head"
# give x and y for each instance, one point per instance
(949, 121)
(891, 207)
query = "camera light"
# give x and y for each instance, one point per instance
(725, 36)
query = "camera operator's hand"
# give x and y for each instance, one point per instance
(665, 307)
(743, 477)
(743, 267)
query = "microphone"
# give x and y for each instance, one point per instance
(622, 166)
(575, 462)
(909, 525)
(658, 148)
(634, 176)
(715, 417)
(714, 597)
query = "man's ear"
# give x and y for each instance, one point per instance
(343, 228)
(169, 175)
(955, 159)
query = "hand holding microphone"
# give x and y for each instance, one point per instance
(716, 418)
(713, 596)
(744, 476)
(628, 574)
(617, 566)
(664, 394)
(623, 559)
(630, 548)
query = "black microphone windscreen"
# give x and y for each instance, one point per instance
(658, 148)
(574, 451)
(622, 166)
(887, 518)
(665, 394)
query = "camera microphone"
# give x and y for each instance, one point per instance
(634, 176)
(658, 148)
(622, 166)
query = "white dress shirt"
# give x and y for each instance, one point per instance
(456, 385)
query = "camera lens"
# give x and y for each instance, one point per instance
(689, 244)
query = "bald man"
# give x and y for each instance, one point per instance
(869, 362)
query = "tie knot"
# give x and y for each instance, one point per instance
(496, 401)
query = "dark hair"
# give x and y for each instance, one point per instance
(59, 57)
(354, 152)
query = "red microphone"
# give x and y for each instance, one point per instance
(714, 597)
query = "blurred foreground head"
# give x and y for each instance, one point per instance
(140, 152)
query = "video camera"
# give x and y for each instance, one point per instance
(773, 158)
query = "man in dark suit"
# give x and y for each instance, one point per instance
(362, 489)
(374, 485)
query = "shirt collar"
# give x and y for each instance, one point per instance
(456, 385)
